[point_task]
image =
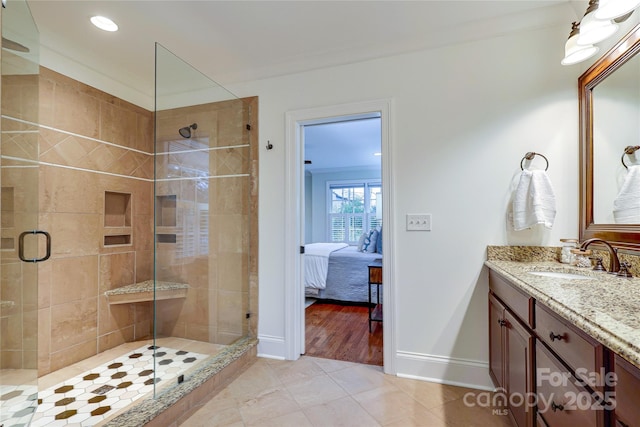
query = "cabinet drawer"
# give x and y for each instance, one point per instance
(627, 393)
(519, 302)
(582, 353)
(561, 401)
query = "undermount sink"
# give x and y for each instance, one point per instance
(559, 275)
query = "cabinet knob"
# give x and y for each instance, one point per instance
(555, 407)
(554, 337)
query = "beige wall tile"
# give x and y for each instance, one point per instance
(144, 265)
(74, 279)
(234, 277)
(118, 125)
(73, 354)
(116, 270)
(113, 339)
(73, 110)
(44, 284)
(230, 314)
(73, 323)
(115, 317)
(73, 234)
(11, 336)
(30, 330)
(11, 359)
(197, 332)
(44, 339)
(70, 191)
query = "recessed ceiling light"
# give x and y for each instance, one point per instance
(104, 23)
(377, 154)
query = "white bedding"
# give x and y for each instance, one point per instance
(316, 263)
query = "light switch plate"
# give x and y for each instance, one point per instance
(418, 222)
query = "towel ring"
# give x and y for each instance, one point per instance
(530, 155)
(629, 149)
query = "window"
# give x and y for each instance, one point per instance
(353, 208)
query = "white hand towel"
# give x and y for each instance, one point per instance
(626, 206)
(534, 201)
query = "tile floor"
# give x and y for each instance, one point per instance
(98, 388)
(322, 392)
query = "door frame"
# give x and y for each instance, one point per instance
(294, 315)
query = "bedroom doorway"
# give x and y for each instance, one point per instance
(294, 292)
(343, 236)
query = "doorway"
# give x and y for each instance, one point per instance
(342, 200)
(296, 215)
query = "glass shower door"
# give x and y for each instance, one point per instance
(22, 245)
(202, 210)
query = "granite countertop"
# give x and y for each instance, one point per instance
(604, 306)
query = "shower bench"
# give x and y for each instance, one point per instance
(143, 291)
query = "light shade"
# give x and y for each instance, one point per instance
(573, 52)
(610, 9)
(593, 30)
(104, 23)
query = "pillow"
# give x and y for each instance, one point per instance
(369, 245)
(361, 242)
(379, 241)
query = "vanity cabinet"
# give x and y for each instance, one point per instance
(511, 346)
(627, 390)
(536, 354)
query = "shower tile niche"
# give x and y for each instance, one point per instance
(7, 241)
(166, 218)
(166, 210)
(117, 218)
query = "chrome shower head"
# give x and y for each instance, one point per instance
(185, 132)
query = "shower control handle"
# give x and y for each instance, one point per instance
(21, 246)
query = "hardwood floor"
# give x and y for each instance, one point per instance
(341, 332)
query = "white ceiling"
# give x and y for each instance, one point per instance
(343, 145)
(232, 41)
(235, 41)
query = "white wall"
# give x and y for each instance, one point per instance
(463, 118)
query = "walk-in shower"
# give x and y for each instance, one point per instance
(145, 283)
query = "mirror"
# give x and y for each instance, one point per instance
(609, 102)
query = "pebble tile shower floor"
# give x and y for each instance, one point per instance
(96, 394)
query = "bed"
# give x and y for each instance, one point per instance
(338, 272)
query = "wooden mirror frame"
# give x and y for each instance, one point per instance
(619, 235)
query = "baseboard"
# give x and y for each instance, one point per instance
(444, 370)
(271, 347)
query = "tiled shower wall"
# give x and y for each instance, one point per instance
(209, 177)
(91, 143)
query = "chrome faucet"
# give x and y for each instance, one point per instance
(614, 261)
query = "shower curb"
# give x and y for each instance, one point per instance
(181, 400)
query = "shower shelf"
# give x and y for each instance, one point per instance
(144, 291)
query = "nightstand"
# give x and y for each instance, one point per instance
(375, 279)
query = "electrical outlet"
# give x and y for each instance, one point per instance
(418, 222)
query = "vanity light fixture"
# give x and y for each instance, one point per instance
(593, 30)
(573, 52)
(611, 9)
(104, 23)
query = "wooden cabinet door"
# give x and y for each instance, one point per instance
(518, 376)
(627, 393)
(496, 350)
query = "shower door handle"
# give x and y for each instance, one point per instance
(21, 246)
